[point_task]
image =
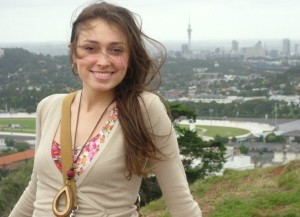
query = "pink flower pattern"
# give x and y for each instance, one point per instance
(89, 151)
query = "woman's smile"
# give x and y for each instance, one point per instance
(102, 75)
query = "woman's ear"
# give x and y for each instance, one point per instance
(71, 53)
(71, 56)
(70, 49)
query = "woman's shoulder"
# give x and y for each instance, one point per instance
(149, 97)
(53, 99)
(50, 104)
(152, 101)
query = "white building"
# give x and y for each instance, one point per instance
(237, 162)
(289, 99)
(240, 162)
(2, 144)
(255, 51)
(215, 98)
(281, 157)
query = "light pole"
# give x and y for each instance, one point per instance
(11, 122)
(210, 112)
(237, 111)
(275, 116)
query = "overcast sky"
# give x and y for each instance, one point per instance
(49, 20)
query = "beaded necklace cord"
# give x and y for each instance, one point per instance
(70, 172)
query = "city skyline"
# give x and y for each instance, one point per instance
(41, 20)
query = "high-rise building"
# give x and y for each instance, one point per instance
(256, 51)
(189, 30)
(186, 49)
(297, 51)
(286, 47)
(235, 46)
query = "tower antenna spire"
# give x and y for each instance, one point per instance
(189, 30)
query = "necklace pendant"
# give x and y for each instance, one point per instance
(72, 214)
(70, 173)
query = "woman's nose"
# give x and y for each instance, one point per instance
(102, 59)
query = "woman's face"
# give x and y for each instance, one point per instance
(102, 56)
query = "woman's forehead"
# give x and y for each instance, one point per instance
(101, 30)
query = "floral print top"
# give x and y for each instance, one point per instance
(89, 151)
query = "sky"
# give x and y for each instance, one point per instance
(165, 20)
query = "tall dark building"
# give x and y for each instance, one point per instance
(235, 46)
(286, 47)
(297, 51)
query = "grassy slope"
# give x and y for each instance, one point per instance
(262, 192)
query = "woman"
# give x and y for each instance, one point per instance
(120, 131)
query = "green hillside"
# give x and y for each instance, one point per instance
(262, 192)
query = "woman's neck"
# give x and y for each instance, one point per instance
(92, 101)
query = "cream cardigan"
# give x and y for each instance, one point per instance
(102, 189)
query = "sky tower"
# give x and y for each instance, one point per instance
(189, 30)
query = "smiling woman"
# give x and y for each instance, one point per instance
(95, 145)
(100, 55)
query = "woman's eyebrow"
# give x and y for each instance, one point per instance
(111, 43)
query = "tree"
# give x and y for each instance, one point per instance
(221, 139)
(10, 142)
(233, 139)
(22, 146)
(178, 110)
(149, 190)
(244, 149)
(272, 138)
(297, 139)
(3, 173)
(200, 158)
(12, 186)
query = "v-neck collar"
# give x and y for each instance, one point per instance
(80, 179)
(98, 154)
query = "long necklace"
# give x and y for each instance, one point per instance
(70, 172)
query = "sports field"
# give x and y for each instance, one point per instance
(20, 125)
(212, 131)
(27, 125)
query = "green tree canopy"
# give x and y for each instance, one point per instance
(273, 138)
(200, 158)
(178, 110)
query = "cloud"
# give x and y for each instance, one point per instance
(44, 20)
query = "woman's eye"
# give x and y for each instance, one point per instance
(116, 51)
(88, 48)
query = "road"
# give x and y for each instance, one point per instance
(18, 137)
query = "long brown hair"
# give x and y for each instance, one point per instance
(142, 74)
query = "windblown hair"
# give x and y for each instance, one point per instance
(142, 73)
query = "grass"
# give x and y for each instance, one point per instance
(262, 192)
(212, 131)
(28, 125)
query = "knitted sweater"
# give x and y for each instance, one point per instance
(102, 189)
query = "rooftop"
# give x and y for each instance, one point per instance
(16, 157)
